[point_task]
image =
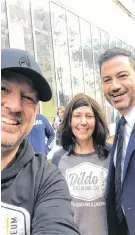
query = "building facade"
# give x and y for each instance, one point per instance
(66, 46)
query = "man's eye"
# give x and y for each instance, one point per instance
(107, 80)
(123, 75)
(30, 99)
(4, 89)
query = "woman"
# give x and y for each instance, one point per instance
(56, 123)
(83, 162)
(59, 117)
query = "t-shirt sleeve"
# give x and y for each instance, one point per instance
(52, 213)
(57, 156)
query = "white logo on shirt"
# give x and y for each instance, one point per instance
(14, 220)
(38, 122)
(86, 181)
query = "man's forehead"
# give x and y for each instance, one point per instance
(117, 60)
(10, 76)
(116, 64)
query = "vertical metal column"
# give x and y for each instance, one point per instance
(33, 31)
(52, 36)
(102, 93)
(69, 54)
(34, 42)
(104, 101)
(8, 20)
(82, 54)
(93, 59)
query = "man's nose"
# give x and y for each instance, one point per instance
(14, 103)
(115, 85)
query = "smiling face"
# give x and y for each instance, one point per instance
(61, 113)
(19, 105)
(118, 78)
(83, 123)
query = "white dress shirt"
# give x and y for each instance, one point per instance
(130, 118)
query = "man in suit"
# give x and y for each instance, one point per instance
(117, 68)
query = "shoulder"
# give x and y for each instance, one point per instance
(109, 146)
(41, 117)
(46, 172)
(38, 116)
(57, 156)
(56, 119)
(44, 120)
(60, 152)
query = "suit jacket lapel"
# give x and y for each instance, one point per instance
(130, 149)
(110, 178)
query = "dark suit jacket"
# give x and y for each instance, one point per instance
(128, 189)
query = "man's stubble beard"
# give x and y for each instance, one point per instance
(10, 146)
(127, 106)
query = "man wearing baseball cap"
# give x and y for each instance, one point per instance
(35, 198)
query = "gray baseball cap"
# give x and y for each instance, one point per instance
(20, 61)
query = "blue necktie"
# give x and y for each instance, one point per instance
(120, 136)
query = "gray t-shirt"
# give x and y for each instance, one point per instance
(86, 178)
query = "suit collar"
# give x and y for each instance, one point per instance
(130, 118)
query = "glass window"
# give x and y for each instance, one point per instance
(109, 108)
(112, 42)
(124, 45)
(96, 43)
(20, 29)
(75, 53)
(118, 43)
(129, 48)
(88, 67)
(104, 41)
(104, 47)
(110, 113)
(4, 26)
(61, 55)
(44, 52)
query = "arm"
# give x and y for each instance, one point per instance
(109, 147)
(57, 156)
(56, 122)
(53, 214)
(49, 133)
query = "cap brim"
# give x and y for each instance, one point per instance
(40, 83)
